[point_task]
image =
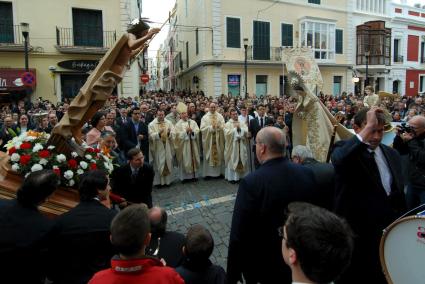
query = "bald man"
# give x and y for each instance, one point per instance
(263, 195)
(212, 125)
(164, 244)
(412, 142)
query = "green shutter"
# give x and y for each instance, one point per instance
(87, 27)
(6, 23)
(261, 40)
(233, 26)
(314, 2)
(339, 39)
(287, 35)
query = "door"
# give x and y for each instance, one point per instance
(71, 84)
(261, 40)
(87, 27)
(260, 85)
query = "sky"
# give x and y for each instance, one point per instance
(157, 11)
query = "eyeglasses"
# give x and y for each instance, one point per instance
(281, 232)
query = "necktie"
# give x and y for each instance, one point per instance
(133, 176)
(262, 123)
(374, 166)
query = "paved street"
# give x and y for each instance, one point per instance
(206, 202)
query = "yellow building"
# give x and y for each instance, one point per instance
(207, 49)
(66, 39)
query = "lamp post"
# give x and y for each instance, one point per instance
(245, 45)
(367, 54)
(25, 29)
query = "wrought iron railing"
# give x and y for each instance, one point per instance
(11, 34)
(398, 58)
(264, 53)
(85, 37)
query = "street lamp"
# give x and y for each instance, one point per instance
(367, 54)
(25, 29)
(245, 45)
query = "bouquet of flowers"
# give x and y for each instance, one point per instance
(29, 153)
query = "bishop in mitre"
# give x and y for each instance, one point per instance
(212, 124)
(185, 137)
(161, 149)
(236, 148)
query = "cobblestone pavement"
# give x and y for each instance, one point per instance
(206, 202)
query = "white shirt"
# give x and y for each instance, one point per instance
(242, 118)
(384, 170)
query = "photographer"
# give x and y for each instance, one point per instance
(411, 140)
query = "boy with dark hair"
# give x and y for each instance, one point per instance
(197, 267)
(130, 234)
(317, 245)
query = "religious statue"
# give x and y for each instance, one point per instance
(100, 85)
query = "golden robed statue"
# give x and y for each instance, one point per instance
(99, 86)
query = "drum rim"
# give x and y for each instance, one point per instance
(382, 243)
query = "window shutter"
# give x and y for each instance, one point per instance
(339, 39)
(287, 35)
(233, 32)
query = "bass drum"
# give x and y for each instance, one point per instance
(402, 251)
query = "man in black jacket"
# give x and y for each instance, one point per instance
(135, 134)
(256, 125)
(412, 142)
(25, 232)
(263, 195)
(81, 245)
(369, 192)
(134, 180)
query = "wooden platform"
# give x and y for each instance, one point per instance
(59, 202)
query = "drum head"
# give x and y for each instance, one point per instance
(402, 251)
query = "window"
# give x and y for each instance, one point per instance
(287, 35)
(6, 23)
(233, 29)
(187, 54)
(321, 37)
(261, 41)
(314, 2)
(421, 83)
(197, 41)
(423, 52)
(261, 85)
(339, 41)
(337, 85)
(88, 27)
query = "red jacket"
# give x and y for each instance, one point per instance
(143, 270)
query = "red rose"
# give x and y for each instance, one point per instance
(26, 145)
(25, 159)
(96, 150)
(72, 164)
(57, 171)
(90, 150)
(93, 166)
(44, 154)
(12, 150)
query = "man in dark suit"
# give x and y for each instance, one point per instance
(324, 174)
(81, 245)
(133, 181)
(135, 134)
(25, 232)
(255, 125)
(369, 192)
(146, 116)
(254, 245)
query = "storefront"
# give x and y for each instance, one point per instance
(16, 84)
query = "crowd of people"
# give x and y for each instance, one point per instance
(159, 137)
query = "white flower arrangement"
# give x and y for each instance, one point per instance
(15, 167)
(36, 167)
(61, 158)
(15, 157)
(37, 147)
(43, 162)
(74, 154)
(83, 165)
(68, 174)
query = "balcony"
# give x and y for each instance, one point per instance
(264, 54)
(11, 38)
(398, 59)
(88, 41)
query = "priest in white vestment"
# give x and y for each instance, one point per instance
(212, 124)
(185, 139)
(161, 149)
(236, 148)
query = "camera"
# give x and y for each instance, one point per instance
(404, 128)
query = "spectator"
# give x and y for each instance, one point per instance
(130, 234)
(412, 142)
(25, 231)
(98, 123)
(81, 245)
(262, 197)
(373, 197)
(135, 134)
(316, 244)
(197, 267)
(164, 244)
(8, 131)
(53, 120)
(43, 125)
(134, 180)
